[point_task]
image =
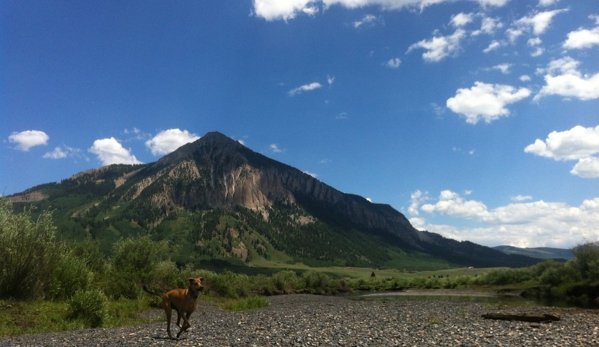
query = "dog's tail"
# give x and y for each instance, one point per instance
(150, 292)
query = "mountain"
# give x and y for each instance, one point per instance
(544, 253)
(217, 199)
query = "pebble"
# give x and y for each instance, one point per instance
(307, 320)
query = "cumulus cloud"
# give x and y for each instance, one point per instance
(539, 22)
(578, 143)
(522, 224)
(304, 88)
(393, 63)
(416, 199)
(439, 47)
(563, 78)
(110, 151)
(573, 144)
(27, 139)
(586, 168)
(289, 9)
(168, 141)
(485, 101)
(583, 38)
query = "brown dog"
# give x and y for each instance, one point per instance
(183, 301)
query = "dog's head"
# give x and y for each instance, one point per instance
(195, 284)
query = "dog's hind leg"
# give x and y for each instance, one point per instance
(168, 312)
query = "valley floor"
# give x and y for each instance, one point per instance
(307, 320)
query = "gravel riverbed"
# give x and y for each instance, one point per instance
(307, 320)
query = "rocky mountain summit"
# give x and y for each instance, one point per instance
(216, 198)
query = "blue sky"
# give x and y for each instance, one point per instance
(478, 120)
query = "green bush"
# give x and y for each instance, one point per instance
(318, 283)
(70, 275)
(286, 282)
(133, 264)
(89, 307)
(30, 254)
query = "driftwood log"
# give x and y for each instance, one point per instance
(524, 317)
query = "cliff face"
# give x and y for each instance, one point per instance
(218, 172)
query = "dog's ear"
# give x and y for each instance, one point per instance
(191, 279)
(202, 279)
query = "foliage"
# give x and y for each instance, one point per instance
(90, 307)
(133, 263)
(30, 256)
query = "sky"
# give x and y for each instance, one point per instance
(477, 119)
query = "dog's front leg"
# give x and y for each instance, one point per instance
(186, 324)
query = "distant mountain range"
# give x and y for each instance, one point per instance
(215, 199)
(544, 253)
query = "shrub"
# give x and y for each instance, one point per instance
(89, 306)
(132, 264)
(286, 282)
(318, 283)
(30, 254)
(70, 275)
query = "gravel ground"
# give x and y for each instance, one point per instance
(305, 320)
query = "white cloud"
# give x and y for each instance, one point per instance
(504, 68)
(289, 9)
(583, 38)
(573, 144)
(304, 88)
(586, 168)
(492, 46)
(570, 82)
(452, 204)
(168, 141)
(578, 143)
(393, 63)
(330, 79)
(440, 47)
(110, 151)
(547, 2)
(488, 26)
(522, 224)
(57, 153)
(538, 22)
(535, 43)
(60, 153)
(461, 19)
(275, 148)
(485, 101)
(513, 34)
(27, 139)
(416, 199)
(521, 198)
(525, 78)
(368, 19)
